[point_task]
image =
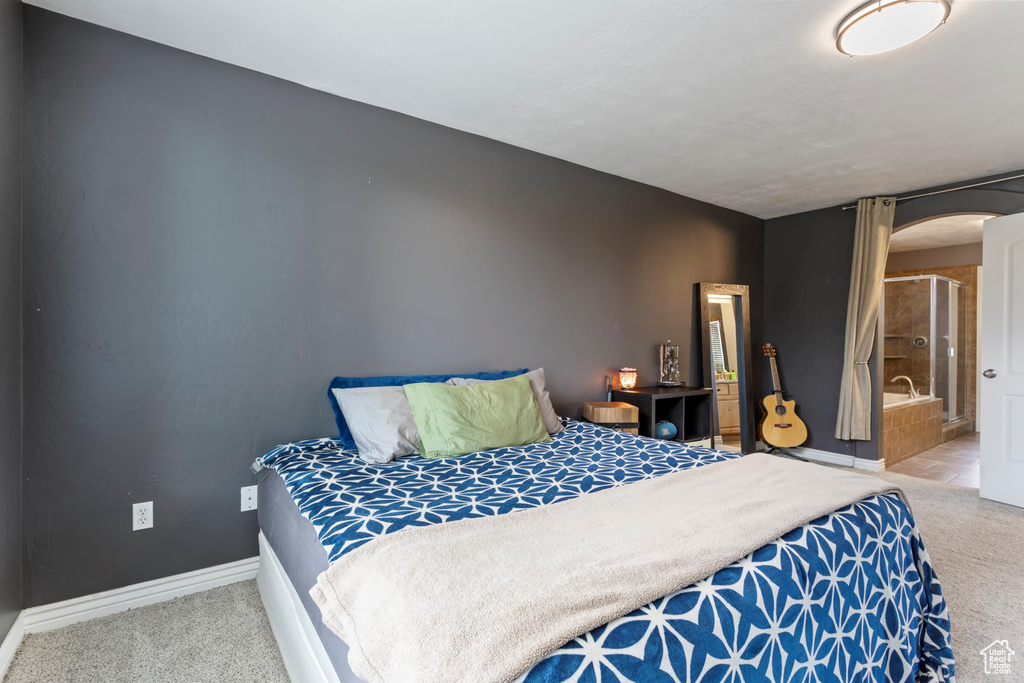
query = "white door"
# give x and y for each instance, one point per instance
(1002, 361)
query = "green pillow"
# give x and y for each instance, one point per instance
(458, 420)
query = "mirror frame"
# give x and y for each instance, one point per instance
(745, 375)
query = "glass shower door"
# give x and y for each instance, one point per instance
(950, 335)
(926, 339)
(943, 346)
(958, 355)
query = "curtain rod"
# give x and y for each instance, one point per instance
(948, 189)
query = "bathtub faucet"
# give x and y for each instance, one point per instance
(913, 391)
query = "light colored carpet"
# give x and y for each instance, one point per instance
(977, 549)
(976, 546)
(220, 636)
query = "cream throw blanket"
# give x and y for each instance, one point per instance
(485, 599)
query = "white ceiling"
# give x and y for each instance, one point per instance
(742, 103)
(940, 232)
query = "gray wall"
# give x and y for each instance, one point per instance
(206, 246)
(808, 259)
(10, 312)
(806, 288)
(940, 257)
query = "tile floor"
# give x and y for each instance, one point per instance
(954, 462)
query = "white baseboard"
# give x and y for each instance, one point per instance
(839, 459)
(10, 644)
(59, 614)
(304, 655)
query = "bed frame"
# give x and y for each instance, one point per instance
(304, 655)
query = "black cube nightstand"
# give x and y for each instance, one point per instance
(688, 408)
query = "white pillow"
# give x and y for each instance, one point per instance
(381, 422)
(540, 392)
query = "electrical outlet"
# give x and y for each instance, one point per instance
(248, 498)
(142, 516)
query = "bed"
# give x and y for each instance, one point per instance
(850, 596)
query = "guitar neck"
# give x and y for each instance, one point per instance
(775, 380)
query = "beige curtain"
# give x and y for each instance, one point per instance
(870, 249)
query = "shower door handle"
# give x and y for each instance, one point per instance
(990, 373)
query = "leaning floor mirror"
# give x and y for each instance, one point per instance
(725, 327)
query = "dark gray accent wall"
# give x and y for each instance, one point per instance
(807, 280)
(10, 312)
(940, 257)
(207, 246)
(807, 271)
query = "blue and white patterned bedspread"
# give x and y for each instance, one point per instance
(849, 597)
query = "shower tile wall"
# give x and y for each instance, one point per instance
(907, 315)
(969, 276)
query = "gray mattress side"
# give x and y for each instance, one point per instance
(294, 540)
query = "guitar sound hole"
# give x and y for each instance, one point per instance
(780, 410)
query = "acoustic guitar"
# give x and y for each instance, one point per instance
(780, 426)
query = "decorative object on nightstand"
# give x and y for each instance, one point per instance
(668, 365)
(687, 408)
(620, 416)
(665, 430)
(627, 378)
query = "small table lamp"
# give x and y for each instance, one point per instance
(627, 378)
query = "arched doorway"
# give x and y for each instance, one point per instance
(930, 340)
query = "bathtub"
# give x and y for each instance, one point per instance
(890, 399)
(909, 425)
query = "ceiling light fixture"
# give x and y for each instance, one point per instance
(883, 25)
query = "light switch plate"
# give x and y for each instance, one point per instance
(248, 498)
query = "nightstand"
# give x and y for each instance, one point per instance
(688, 408)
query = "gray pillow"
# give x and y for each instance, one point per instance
(540, 392)
(381, 422)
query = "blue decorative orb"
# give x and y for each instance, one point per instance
(665, 430)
